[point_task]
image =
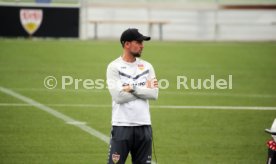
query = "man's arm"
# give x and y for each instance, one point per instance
(115, 86)
(148, 92)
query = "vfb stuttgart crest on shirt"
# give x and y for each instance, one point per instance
(141, 67)
(31, 19)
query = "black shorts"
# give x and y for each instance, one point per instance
(134, 139)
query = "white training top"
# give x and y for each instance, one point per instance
(130, 109)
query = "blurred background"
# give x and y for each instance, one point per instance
(238, 20)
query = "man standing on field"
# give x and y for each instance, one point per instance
(131, 82)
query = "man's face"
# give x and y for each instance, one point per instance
(135, 48)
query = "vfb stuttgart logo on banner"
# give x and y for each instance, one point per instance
(31, 19)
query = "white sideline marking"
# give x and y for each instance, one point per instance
(55, 113)
(154, 106)
(215, 94)
(217, 107)
(220, 94)
(57, 105)
(76, 123)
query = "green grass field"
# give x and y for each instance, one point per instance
(181, 136)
